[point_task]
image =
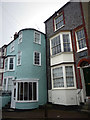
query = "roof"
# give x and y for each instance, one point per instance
(57, 11)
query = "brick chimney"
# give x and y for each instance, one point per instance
(15, 35)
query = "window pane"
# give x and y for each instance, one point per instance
(21, 91)
(69, 76)
(59, 21)
(81, 38)
(34, 91)
(58, 80)
(37, 58)
(11, 64)
(37, 38)
(30, 91)
(25, 91)
(66, 43)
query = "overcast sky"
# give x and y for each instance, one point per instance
(18, 14)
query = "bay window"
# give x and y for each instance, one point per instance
(63, 77)
(61, 43)
(10, 64)
(27, 91)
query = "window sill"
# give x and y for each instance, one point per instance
(61, 53)
(36, 43)
(59, 28)
(37, 65)
(27, 101)
(63, 88)
(81, 50)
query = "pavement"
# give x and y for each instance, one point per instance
(45, 113)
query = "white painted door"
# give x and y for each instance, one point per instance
(13, 101)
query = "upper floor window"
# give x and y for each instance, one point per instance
(12, 47)
(63, 77)
(1, 63)
(19, 58)
(56, 45)
(10, 63)
(61, 43)
(59, 21)
(37, 58)
(20, 38)
(81, 40)
(66, 42)
(37, 37)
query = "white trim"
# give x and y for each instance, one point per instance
(61, 41)
(55, 22)
(19, 54)
(64, 74)
(79, 50)
(21, 101)
(20, 38)
(8, 62)
(39, 58)
(40, 38)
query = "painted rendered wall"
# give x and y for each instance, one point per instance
(27, 69)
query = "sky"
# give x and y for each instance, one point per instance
(19, 14)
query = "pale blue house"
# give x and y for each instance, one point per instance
(25, 70)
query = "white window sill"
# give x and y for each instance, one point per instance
(65, 88)
(61, 53)
(82, 49)
(59, 28)
(27, 101)
(37, 65)
(37, 43)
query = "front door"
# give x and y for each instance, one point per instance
(13, 96)
(86, 72)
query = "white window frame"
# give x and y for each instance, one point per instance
(8, 62)
(79, 50)
(35, 32)
(20, 37)
(39, 58)
(64, 77)
(23, 91)
(59, 21)
(19, 53)
(12, 46)
(61, 41)
(6, 86)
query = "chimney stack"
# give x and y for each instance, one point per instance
(15, 35)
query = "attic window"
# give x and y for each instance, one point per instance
(59, 21)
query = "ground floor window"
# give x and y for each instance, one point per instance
(7, 84)
(63, 76)
(27, 91)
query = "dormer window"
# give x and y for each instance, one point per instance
(59, 21)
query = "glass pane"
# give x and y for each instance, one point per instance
(21, 91)
(34, 91)
(25, 91)
(30, 91)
